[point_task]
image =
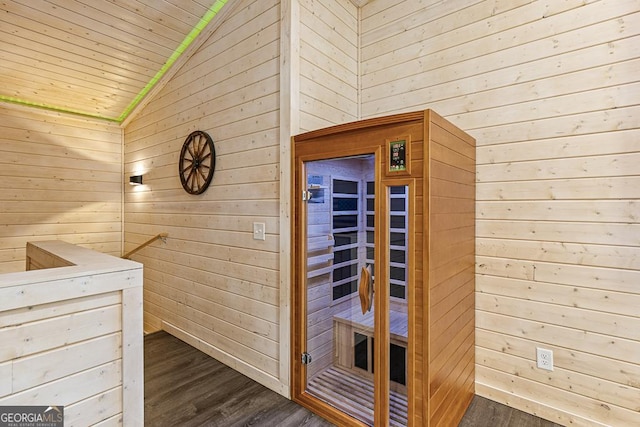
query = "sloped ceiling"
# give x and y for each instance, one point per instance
(96, 58)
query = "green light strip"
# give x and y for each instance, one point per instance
(54, 108)
(211, 13)
(204, 21)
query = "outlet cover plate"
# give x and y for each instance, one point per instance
(259, 231)
(544, 358)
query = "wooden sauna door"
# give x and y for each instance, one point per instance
(351, 363)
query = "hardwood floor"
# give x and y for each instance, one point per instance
(185, 387)
(484, 413)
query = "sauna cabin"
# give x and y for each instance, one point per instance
(383, 286)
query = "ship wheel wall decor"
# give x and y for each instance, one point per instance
(197, 162)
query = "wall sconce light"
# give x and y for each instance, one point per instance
(135, 180)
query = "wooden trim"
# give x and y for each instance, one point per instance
(381, 299)
(426, 273)
(413, 308)
(289, 125)
(412, 304)
(298, 272)
(132, 358)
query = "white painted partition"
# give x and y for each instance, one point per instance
(72, 335)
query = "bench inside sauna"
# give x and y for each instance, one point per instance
(383, 297)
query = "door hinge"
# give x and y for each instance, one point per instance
(306, 195)
(306, 358)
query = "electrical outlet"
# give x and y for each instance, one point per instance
(544, 358)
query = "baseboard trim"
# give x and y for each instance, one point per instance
(538, 409)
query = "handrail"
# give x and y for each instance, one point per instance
(162, 236)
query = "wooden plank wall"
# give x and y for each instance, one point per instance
(451, 237)
(212, 284)
(328, 63)
(74, 338)
(60, 178)
(550, 91)
(90, 387)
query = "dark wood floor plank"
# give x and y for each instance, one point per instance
(185, 387)
(484, 413)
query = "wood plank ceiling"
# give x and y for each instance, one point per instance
(93, 57)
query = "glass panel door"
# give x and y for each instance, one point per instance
(398, 220)
(340, 284)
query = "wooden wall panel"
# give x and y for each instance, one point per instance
(451, 165)
(328, 63)
(74, 335)
(60, 178)
(550, 92)
(212, 284)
